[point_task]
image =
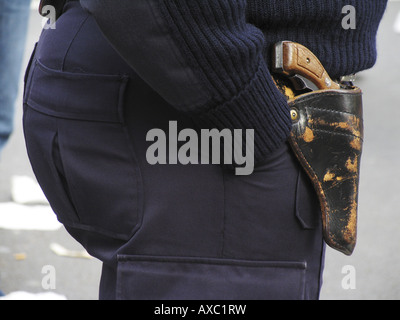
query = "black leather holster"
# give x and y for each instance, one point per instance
(327, 138)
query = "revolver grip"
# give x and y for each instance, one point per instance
(292, 59)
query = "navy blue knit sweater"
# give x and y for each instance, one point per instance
(209, 58)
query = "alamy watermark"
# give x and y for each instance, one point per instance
(349, 21)
(228, 147)
(49, 277)
(349, 280)
(50, 17)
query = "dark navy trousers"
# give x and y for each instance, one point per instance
(162, 231)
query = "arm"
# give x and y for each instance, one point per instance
(203, 58)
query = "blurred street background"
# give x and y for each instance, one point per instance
(372, 273)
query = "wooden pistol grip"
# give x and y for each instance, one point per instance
(297, 59)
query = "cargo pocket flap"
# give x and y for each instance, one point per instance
(170, 278)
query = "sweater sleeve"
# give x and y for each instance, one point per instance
(204, 59)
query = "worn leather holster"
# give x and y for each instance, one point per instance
(327, 139)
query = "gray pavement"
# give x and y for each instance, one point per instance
(376, 260)
(76, 279)
(375, 264)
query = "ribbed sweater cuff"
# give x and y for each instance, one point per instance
(259, 106)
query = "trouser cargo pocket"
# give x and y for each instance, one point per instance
(80, 151)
